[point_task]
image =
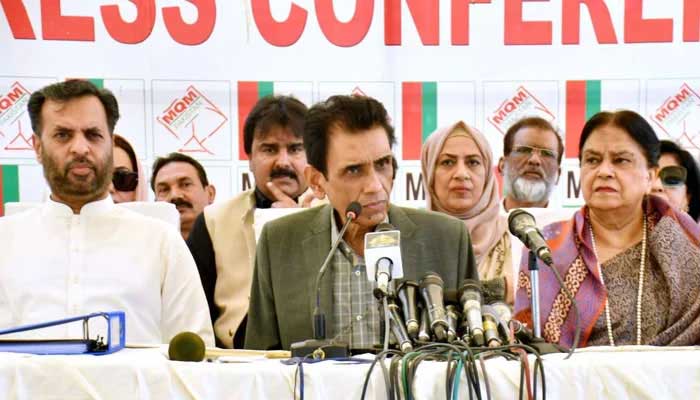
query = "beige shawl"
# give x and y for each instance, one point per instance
(487, 228)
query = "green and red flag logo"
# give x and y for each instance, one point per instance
(9, 185)
(419, 115)
(250, 92)
(583, 100)
(586, 98)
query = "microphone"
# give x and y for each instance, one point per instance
(383, 256)
(491, 326)
(431, 289)
(522, 332)
(494, 295)
(351, 213)
(306, 347)
(383, 274)
(522, 225)
(424, 329)
(470, 299)
(452, 318)
(398, 329)
(186, 346)
(407, 292)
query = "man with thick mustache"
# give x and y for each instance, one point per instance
(222, 240)
(532, 153)
(79, 252)
(348, 142)
(181, 180)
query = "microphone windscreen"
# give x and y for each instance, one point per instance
(355, 208)
(470, 284)
(494, 290)
(519, 218)
(431, 277)
(186, 346)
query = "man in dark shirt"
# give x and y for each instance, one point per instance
(222, 241)
(348, 142)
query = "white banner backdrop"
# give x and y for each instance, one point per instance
(186, 72)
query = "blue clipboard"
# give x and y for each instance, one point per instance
(114, 341)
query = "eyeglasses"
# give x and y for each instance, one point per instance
(124, 180)
(673, 175)
(526, 151)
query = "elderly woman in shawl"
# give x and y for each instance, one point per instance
(456, 162)
(129, 178)
(630, 259)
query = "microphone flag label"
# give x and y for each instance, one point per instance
(383, 245)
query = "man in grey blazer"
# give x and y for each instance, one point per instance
(348, 142)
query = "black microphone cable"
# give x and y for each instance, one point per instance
(538, 374)
(538, 369)
(386, 376)
(458, 355)
(299, 371)
(487, 384)
(394, 372)
(450, 375)
(577, 330)
(436, 351)
(379, 357)
(387, 322)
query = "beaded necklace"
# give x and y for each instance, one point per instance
(640, 288)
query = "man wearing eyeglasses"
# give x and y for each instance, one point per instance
(532, 153)
(80, 253)
(181, 180)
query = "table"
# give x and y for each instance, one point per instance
(630, 372)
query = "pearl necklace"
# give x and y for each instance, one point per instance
(640, 289)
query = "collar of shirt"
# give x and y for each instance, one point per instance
(261, 201)
(97, 207)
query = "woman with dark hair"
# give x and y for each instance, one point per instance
(631, 260)
(129, 179)
(679, 179)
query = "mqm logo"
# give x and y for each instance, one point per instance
(679, 117)
(193, 117)
(13, 105)
(520, 105)
(358, 92)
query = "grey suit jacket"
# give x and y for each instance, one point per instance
(291, 250)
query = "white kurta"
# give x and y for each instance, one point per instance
(55, 264)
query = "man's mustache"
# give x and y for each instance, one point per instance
(541, 174)
(181, 202)
(283, 173)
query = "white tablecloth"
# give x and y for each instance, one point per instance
(147, 374)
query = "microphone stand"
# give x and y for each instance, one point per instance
(535, 291)
(319, 347)
(538, 343)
